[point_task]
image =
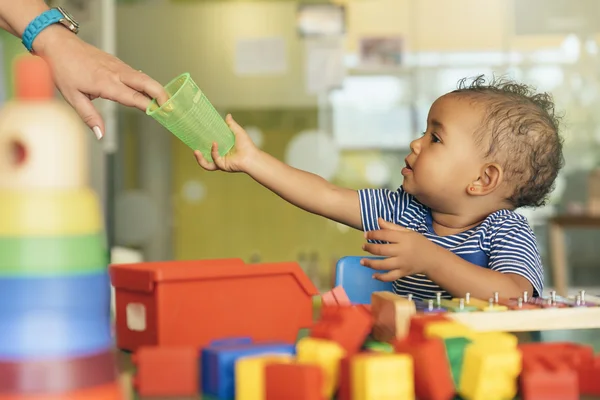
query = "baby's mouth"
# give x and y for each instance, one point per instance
(407, 165)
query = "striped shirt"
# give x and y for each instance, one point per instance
(503, 242)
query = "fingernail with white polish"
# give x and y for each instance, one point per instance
(97, 132)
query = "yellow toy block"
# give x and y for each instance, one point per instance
(325, 353)
(391, 314)
(250, 375)
(496, 340)
(447, 330)
(489, 373)
(382, 376)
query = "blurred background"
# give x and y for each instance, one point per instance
(337, 88)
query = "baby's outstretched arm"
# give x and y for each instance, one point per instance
(300, 188)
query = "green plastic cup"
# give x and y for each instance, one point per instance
(192, 118)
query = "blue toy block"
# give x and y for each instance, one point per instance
(79, 294)
(206, 374)
(357, 279)
(220, 360)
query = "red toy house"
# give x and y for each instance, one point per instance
(191, 303)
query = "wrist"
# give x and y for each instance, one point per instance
(436, 256)
(251, 162)
(52, 37)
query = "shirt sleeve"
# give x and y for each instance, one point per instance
(381, 203)
(514, 250)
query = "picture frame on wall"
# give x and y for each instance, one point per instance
(381, 52)
(321, 19)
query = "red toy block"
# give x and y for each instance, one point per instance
(589, 378)
(418, 322)
(192, 303)
(580, 358)
(166, 371)
(294, 382)
(345, 381)
(349, 326)
(547, 378)
(433, 376)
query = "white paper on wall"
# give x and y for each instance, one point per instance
(261, 56)
(324, 64)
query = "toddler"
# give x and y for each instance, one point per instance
(489, 148)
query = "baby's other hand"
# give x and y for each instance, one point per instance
(237, 159)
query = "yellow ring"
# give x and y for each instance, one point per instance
(49, 213)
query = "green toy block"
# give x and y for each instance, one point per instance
(381, 347)
(455, 350)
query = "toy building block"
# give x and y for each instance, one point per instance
(348, 326)
(166, 371)
(380, 347)
(219, 363)
(325, 353)
(345, 380)
(205, 367)
(418, 323)
(496, 339)
(250, 375)
(432, 374)
(294, 381)
(392, 315)
(589, 383)
(382, 376)
(580, 358)
(448, 329)
(548, 379)
(489, 373)
(277, 301)
(335, 297)
(455, 351)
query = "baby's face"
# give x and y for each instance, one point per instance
(446, 159)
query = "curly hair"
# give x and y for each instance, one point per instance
(520, 131)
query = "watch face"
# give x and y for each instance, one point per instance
(68, 16)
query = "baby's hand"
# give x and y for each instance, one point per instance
(407, 252)
(237, 159)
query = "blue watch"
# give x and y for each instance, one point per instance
(57, 15)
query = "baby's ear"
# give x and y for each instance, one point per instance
(490, 178)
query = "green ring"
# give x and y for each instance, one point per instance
(49, 256)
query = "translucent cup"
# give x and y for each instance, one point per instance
(192, 118)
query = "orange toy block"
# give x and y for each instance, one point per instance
(166, 371)
(432, 373)
(192, 303)
(294, 382)
(544, 378)
(418, 322)
(392, 314)
(349, 326)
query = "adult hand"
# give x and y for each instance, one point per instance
(83, 73)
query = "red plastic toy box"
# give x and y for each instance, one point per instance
(191, 303)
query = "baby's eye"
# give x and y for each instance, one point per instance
(435, 138)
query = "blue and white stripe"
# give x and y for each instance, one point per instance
(503, 242)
